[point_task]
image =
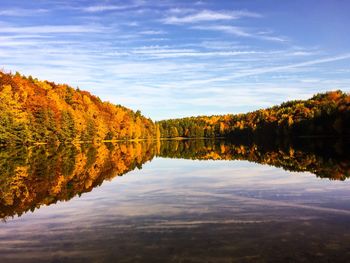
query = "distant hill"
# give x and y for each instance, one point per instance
(326, 114)
(41, 111)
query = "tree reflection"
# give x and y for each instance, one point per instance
(324, 158)
(41, 175)
(32, 177)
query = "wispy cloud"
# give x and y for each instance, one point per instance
(241, 32)
(207, 15)
(234, 30)
(251, 71)
(48, 29)
(103, 8)
(22, 12)
(152, 32)
(156, 54)
(263, 70)
(180, 11)
(178, 53)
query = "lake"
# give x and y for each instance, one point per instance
(176, 201)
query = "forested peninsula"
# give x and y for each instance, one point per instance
(34, 111)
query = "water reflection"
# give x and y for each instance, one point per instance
(36, 176)
(176, 210)
(324, 158)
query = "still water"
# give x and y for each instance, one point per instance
(176, 201)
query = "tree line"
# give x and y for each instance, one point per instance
(326, 114)
(41, 111)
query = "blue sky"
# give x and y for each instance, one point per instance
(182, 58)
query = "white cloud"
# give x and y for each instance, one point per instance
(207, 15)
(48, 29)
(177, 53)
(263, 70)
(22, 12)
(220, 45)
(131, 24)
(182, 11)
(241, 32)
(234, 30)
(184, 73)
(152, 32)
(102, 8)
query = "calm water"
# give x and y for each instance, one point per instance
(192, 201)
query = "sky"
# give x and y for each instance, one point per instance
(177, 58)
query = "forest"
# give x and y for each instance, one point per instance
(326, 114)
(44, 112)
(34, 111)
